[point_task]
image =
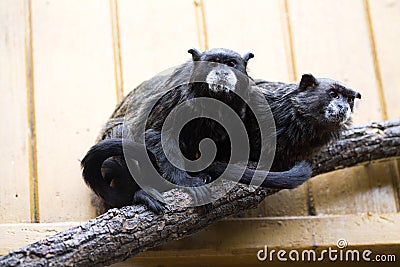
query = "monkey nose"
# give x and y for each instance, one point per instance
(222, 73)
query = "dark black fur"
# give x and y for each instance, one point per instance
(299, 113)
(302, 127)
(101, 173)
(190, 136)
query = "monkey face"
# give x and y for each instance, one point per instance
(337, 111)
(221, 70)
(325, 100)
(221, 78)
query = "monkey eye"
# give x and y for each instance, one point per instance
(231, 63)
(333, 94)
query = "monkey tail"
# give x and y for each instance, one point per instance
(292, 178)
(92, 170)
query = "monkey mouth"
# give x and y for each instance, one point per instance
(221, 86)
(337, 117)
(337, 113)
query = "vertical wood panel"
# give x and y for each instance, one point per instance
(288, 37)
(32, 140)
(155, 35)
(385, 20)
(14, 179)
(116, 37)
(331, 40)
(250, 26)
(288, 202)
(75, 93)
(385, 16)
(201, 24)
(352, 191)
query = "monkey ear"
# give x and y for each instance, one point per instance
(307, 81)
(358, 95)
(247, 56)
(196, 54)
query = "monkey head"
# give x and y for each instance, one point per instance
(324, 101)
(220, 70)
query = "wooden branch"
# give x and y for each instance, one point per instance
(360, 144)
(121, 234)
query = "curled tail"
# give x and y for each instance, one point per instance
(92, 165)
(105, 164)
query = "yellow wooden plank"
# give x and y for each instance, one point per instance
(397, 183)
(284, 203)
(201, 24)
(377, 68)
(288, 35)
(377, 232)
(217, 245)
(385, 17)
(32, 140)
(13, 236)
(14, 179)
(75, 93)
(155, 35)
(287, 203)
(356, 190)
(341, 49)
(116, 37)
(331, 39)
(255, 27)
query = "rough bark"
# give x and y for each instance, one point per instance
(360, 144)
(120, 234)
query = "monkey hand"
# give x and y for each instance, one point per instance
(205, 177)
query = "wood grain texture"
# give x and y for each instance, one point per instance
(75, 93)
(155, 36)
(349, 192)
(14, 133)
(285, 203)
(339, 46)
(385, 20)
(216, 244)
(369, 188)
(119, 234)
(255, 26)
(331, 40)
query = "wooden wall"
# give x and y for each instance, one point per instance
(65, 64)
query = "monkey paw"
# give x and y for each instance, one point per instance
(205, 177)
(152, 202)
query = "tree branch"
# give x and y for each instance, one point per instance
(360, 144)
(121, 234)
